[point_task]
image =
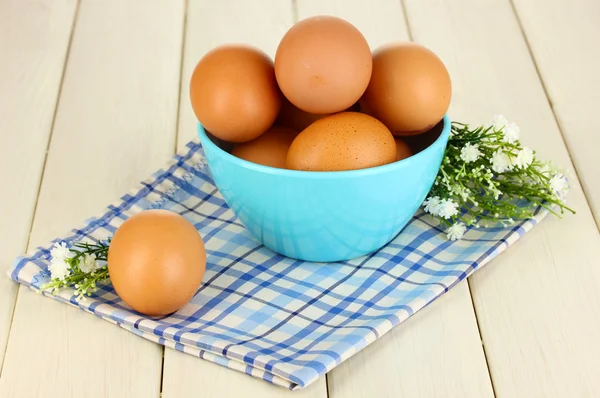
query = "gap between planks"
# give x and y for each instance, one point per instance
(468, 281)
(181, 82)
(559, 125)
(39, 185)
(133, 349)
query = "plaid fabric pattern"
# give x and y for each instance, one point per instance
(281, 320)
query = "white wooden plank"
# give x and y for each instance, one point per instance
(115, 125)
(187, 376)
(425, 349)
(210, 24)
(563, 37)
(413, 359)
(33, 44)
(538, 304)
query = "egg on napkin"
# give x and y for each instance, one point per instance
(409, 90)
(323, 64)
(156, 261)
(234, 93)
(343, 141)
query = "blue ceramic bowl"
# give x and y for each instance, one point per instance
(325, 216)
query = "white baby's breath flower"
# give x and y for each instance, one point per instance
(447, 208)
(60, 251)
(500, 162)
(470, 153)
(559, 186)
(511, 133)
(499, 122)
(460, 191)
(545, 169)
(88, 263)
(59, 269)
(432, 205)
(524, 158)
(496, 192)
(456, 231)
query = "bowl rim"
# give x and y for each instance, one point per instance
(441, 140)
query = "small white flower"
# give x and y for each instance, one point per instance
(470, 153)
(524, 158)
(499, 122)
(545, 170)
(432, 205)
(456, 231)
(60, 252)
(460, 191)
(559, 186)
(88, 263)
(59, 269)
(511, 133)
(500, 162)
(447, 208)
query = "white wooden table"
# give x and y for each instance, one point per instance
(94, 97)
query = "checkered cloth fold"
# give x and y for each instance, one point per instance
(281, 320)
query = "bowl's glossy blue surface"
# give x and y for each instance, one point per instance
(325, 216)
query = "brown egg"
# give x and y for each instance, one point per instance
(343, 141)
(354, 108)
(410, 88)
(296, 119)
(403, 151)
(419, 142)
(234, 93)
(156, 262)
(270, 149)
(323, 65)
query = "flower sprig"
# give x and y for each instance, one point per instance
(487, 176)
(83, 266)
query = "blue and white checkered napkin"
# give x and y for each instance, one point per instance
(282, 320)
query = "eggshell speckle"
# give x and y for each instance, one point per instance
(270, 149)
(343, 141)
(156, 261)
(410, 88)
(323, 65)
(234, 93)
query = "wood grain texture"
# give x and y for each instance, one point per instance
(115, 125)
(420, 357)
(210, 24)
(538, 304)
(563, 37)
(213, 23)
(187, 376)
(34, 40)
